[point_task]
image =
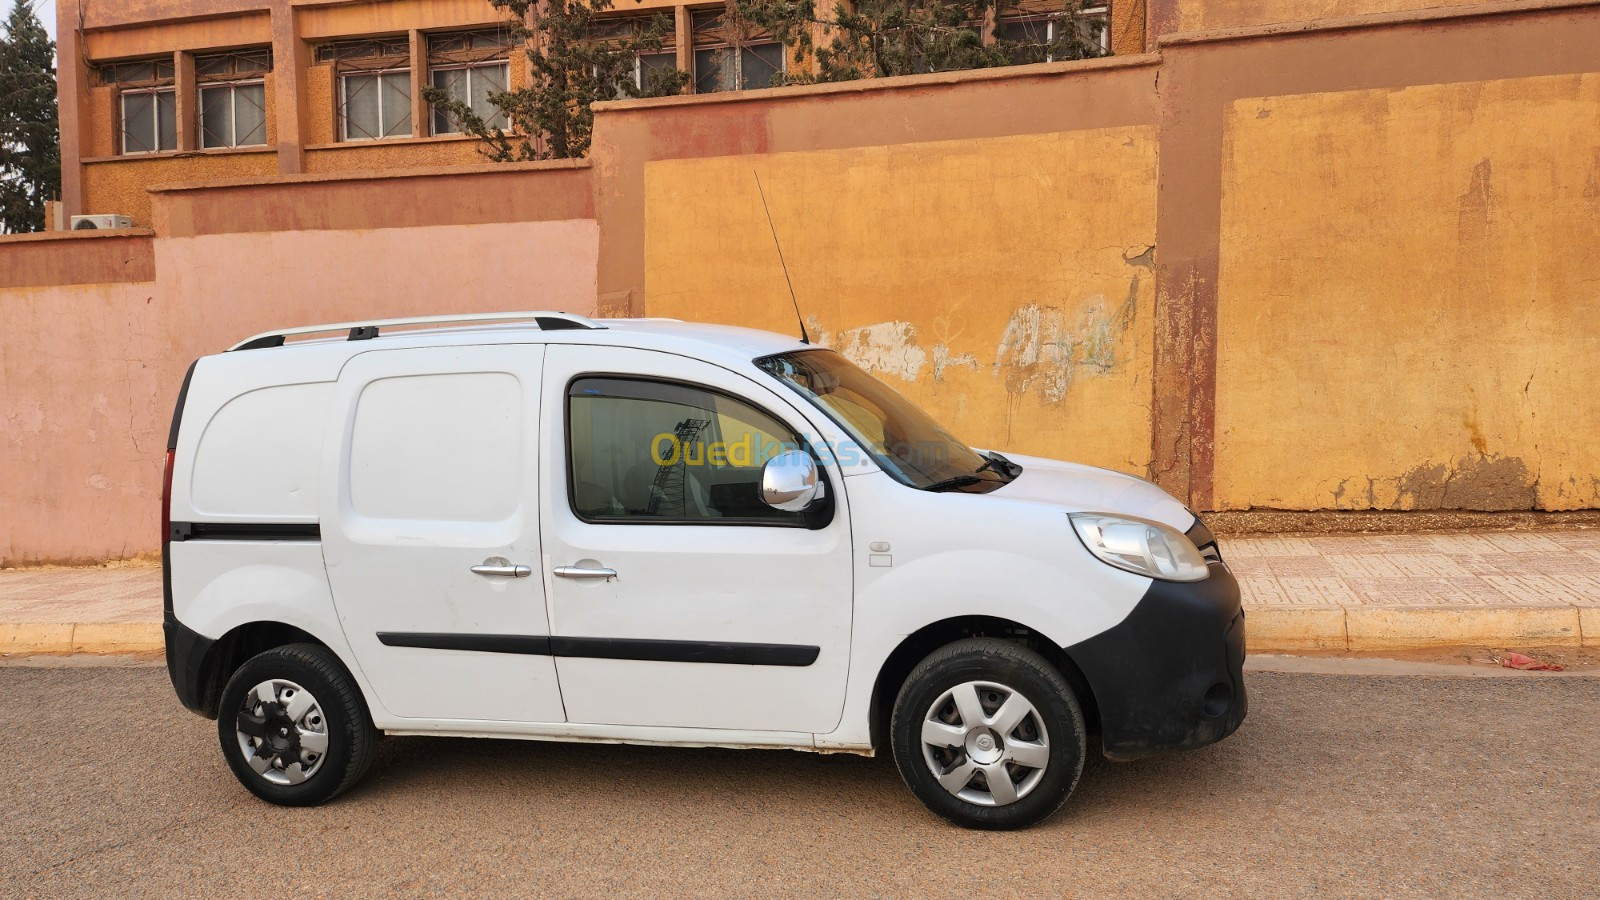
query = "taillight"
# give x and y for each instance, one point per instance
(166, 499)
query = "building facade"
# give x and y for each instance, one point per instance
(183, 91)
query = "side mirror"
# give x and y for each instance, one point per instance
(789, 481)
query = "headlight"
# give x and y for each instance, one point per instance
(1147, 548)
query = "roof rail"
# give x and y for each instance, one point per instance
(361, 331)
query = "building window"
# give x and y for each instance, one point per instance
(1040, 38)
(149, 120)
(472, 85)
(727, 58)
(619, 30)
(233, 98)
(374, 87)
(375, 105)
(657, 61)
(147, 105)
(470, 66)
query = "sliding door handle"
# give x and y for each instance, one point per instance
(584, 572)
(499, 565)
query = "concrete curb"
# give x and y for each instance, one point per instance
(1271, 629)
(1279, 629)
(99, 638)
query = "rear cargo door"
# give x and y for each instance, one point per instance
(430, 528)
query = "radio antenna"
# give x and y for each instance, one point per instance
(804, 338)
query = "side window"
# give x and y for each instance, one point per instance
(440, 448)
(655, 451)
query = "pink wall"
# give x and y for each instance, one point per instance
(89, 372)
(84, 376)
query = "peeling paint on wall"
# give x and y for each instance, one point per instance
(1470, 482)
(1039, 351)
(886, 348)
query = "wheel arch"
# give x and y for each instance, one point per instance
(917, 645)
(240, 643)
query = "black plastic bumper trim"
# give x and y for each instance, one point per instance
(186, 656)
(244, 531)
(723, 652)
(1171, 675)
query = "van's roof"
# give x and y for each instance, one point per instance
(719, 343)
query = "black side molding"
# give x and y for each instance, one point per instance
(723, 652)
(244, 531)
(738, 654)
(530, 644)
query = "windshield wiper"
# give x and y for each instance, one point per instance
(999, 465)
(958, 481)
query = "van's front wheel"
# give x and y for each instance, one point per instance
(294, 727)
(988, 734)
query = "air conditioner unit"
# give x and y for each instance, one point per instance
(100, 223)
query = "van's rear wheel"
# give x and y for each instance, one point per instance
(294, 727)
(988, 734)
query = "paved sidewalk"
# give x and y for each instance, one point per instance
(92, 610)
(1383, 592)
(1338, 592)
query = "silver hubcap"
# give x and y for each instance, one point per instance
(282, 732)
(985, 743)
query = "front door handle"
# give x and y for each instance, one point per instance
(499, 565)
(584, 572)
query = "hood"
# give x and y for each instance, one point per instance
(1078, 488)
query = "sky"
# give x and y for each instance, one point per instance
(46, 10)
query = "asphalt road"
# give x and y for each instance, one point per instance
(1335, 785)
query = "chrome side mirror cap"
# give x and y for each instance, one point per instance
(789, 481)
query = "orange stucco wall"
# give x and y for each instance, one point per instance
(120, 184)
(157, 38)
(357, 156)
(345, 19)
(1324, 267)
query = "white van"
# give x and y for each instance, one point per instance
(540, 526)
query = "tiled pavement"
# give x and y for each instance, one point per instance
(117, 594)
(1332, 592)
(1558, 568)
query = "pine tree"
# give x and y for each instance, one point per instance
(884, 38)
(30, 148)
(576, 60)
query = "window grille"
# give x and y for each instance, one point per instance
(233, 98)
(731, 56)
(1034, 37)
(374, 86)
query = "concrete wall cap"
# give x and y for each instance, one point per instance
(39, 236)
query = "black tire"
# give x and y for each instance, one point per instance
(1019, 670)
(351, 739)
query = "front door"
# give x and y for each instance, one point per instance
(428, 508)
(721, 612)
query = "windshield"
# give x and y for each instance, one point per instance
(902, 439)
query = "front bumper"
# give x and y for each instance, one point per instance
(1171, 675)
